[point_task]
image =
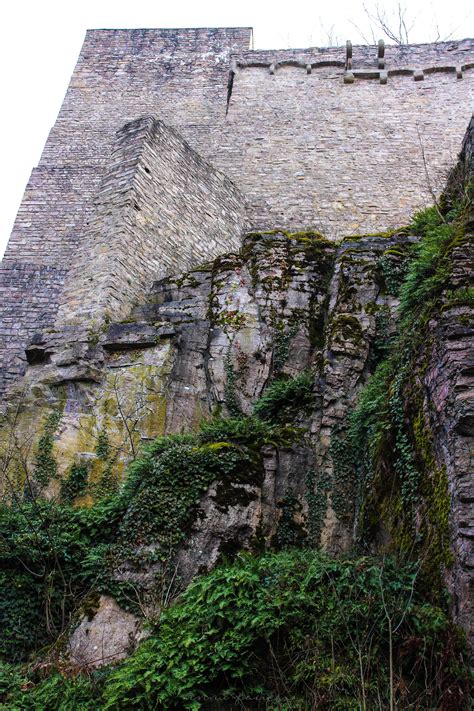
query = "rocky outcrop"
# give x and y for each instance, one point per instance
(449, 384)
(212, 342)
(105, 634)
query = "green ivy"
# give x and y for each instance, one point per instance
(318, 486)
(290, 531)
(402, 490)
(292, 630)
(344, 485)
(393, 265)
(45, 466)
(75, 483)
(103, 445)
(230, 386)
(52, 554)
(234, 631)
(281, 344)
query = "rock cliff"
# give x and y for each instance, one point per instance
(300, 393)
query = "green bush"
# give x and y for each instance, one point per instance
(21, 690)
(41, 551)
(429, 270)
(75, 484)
(53, 554)
(296, 626)
(285, 399)
(295, 630)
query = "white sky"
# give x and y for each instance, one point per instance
(41, 40)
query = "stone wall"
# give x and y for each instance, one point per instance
(161, 208)
(120, 76)
(29, 296)
(348, 157)
(306, 148)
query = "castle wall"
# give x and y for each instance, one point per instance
(161, 209)
(120, 75)
(344, 158)
(306, 149)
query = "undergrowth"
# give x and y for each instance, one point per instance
(294, 630)
(53, 554)
(289, 630)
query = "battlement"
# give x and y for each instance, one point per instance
(343, 140)
(365, 62)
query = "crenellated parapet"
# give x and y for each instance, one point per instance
(365, 61)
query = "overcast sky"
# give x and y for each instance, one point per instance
(41, 40)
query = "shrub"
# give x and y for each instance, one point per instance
(295, 625)
(285, 399)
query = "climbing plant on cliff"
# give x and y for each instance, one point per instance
(286, 398)
(402, 487)
(53, 554)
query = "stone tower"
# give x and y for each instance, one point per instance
(170, 143)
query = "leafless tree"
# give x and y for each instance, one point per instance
(131, 411)
(396, 24)
(328, 34)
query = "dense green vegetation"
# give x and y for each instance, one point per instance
(286, 398)
(54, 555)
(292, 630)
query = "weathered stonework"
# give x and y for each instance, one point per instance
(449, 388)
(280, 306)
(161, 208)
(303, 147)
(140, 312)
(206, 341)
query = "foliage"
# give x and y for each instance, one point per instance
(163, 489)
(52, 554)
(294, 627)
(76, 482)
(284, 399)
(12, 678)
(45, 464)
(393, 265)
(288, 630)
(281, 345)
(290, 531)
(318, 486)
(57, 692)
(103, 445)
(250, 432)
(344, 485)
(230, 388)
(41, 547)
(400, 487)
(428, 272)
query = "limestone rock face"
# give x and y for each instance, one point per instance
(104, 636)
(209, 342)
(449, 383)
